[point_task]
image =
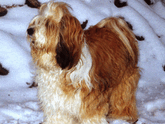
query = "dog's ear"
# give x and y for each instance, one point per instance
(63, 56)
(70, 42)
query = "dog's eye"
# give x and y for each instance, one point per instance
(30, 31)
(33, 42)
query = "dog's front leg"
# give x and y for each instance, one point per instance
(61, 118)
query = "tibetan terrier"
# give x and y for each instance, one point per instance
(83, 76)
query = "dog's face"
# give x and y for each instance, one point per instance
(56, 37)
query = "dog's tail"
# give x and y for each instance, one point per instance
(120, 27)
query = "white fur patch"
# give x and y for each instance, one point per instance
(82, 68)
(56, 104)
(40, 35)
(50, 11)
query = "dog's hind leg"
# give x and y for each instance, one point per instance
(123, 100)
(95, 121)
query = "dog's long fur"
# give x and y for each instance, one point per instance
(83, 76)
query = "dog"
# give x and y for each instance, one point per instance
(83, 76)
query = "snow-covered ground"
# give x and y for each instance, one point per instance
(18, 102)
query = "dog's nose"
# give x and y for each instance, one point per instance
(30, 31)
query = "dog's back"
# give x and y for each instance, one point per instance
(113, 48)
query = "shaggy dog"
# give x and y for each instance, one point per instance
(84, 77)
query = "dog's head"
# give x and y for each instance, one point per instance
(55, 36)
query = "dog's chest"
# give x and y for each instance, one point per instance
(52, 96)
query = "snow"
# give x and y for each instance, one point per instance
(19, 103)
(11, 2)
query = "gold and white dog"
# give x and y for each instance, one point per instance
(84, 77)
